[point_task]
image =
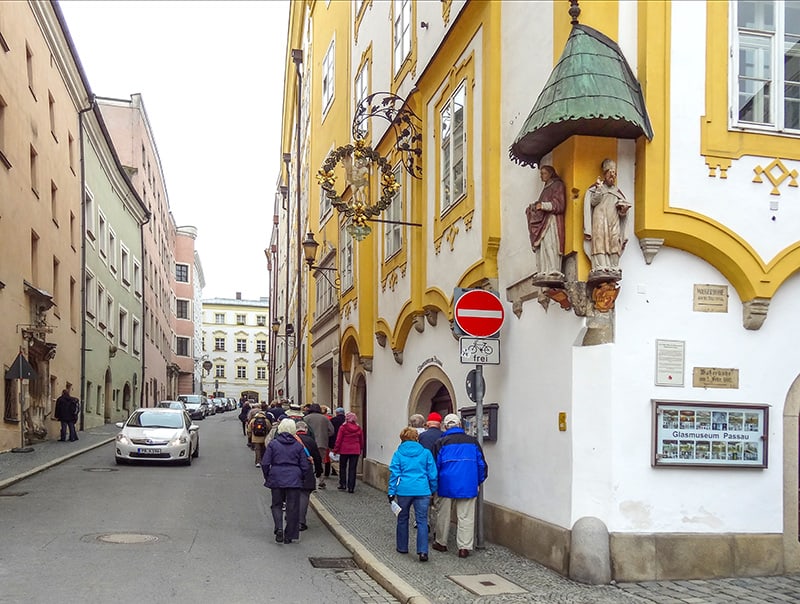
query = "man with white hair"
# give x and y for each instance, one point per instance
(462, 468)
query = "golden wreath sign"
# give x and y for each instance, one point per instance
(358, 160)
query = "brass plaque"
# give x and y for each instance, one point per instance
(715, 377)
(710, 298)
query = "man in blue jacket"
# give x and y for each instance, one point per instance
(462, 468)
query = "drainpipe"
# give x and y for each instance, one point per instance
(144, 309)
(83, 257)
(297, 57)
(287, 158)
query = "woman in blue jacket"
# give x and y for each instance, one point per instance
(412, 480)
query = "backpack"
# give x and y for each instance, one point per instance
(260, 426)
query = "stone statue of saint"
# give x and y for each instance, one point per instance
(546, 226)
(605, 217)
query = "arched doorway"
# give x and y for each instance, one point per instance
(126, 398)
(432, 391)
(108, 392)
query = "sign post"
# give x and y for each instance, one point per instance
(478, 313)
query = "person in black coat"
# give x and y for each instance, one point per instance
(67, 411)
(310, 480)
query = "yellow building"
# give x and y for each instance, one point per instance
(645, 390)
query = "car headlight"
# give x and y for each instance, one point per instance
(179, 440)
(122, 439)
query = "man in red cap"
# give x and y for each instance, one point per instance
(428, 439)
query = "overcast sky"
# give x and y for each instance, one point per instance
(211, 77)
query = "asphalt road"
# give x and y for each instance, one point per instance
(90, 531)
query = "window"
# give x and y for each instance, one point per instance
(56, 297)
(327, 77)
(123, 327)
(361, 91)
(346, 258)
(110, 315)
(219, 318)
(182, 309)
(137, 336)
(137, 278)
(102, 235)
(3, 158)
(125, 265)
(182, 346)
(325, 294)
(393, 232)
(241, 372)
(261, 372)
(34, 171)
(241, 319)
(261, 320)
(324, 204)
(71, 151)
(29, 68)
(112, 251)
(402, 32)
(89, 293)
(51, 105)
(241, 345)
(35, 258)
(73, 306)
(219, 344)
(182, 273)
(453, 159)
(768, 64)
(54, 202)
(261, 346)
(89, 209)
(219, 371)
(102, 317)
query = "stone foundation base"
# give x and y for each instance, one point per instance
(634, 556)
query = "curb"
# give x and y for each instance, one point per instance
(387, 578)
(53, 462)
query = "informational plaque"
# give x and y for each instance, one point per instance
(715, 377)
(709, 434)
(670, 360)
(710, 298)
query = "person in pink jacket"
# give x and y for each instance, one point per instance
(349, 445)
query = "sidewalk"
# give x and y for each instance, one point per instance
(365, 525)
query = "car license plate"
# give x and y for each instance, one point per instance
(149, 451)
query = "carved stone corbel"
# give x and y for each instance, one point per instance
(398, 356)
(755, 313)
(432, 316)
(650, 247)
(366, 363)
(380, 337)
(419, 323)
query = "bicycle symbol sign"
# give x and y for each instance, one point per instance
(479, 351)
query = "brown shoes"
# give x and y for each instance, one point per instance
(439, 547)
(463, 553)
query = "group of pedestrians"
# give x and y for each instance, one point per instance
(443, 468)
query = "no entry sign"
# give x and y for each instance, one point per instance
(479, 313)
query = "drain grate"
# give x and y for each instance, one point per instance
(338, 563)
(127, 538)
(17, 494)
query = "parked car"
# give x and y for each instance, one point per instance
(196, 405)
(220, 404)
(172, 405)
(158, 434)
(233, 404)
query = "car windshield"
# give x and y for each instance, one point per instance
(148, 419)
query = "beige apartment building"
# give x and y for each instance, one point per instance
(188, 286)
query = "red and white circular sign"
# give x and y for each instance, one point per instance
(479, 313)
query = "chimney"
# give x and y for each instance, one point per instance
(238, 295)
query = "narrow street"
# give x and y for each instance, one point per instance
(88, 530)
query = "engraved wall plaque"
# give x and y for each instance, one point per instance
(670, 358)
(710, 298)
(715, 377)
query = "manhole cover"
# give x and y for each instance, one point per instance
(340, 563)
(18, 494)
(487, 585)
(99, 469)
(127, 538)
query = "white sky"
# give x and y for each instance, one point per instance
(211, 77)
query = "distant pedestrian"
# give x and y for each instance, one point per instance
(462, 468)
(349, 445)
(336, 421)
(259, 427)
(67, 411)
(417, 421)
(285, 466)
(412, 479)
(310, 480)
(322, 429)
(243, 415)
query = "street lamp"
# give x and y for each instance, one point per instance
(310, 246)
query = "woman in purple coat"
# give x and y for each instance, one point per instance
(285, 466)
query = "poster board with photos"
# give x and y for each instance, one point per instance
(697, 434)
(470, 425)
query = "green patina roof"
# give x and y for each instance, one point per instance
(592, 91)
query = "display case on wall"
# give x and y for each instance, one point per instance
(489, 421)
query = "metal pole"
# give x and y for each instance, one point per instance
(297, 57)
(479, 391)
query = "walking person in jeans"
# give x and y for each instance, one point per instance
(67, 410)
(349, 445)
(412, 479)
